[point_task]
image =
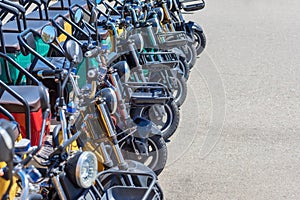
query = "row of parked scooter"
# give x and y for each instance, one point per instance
(89, 94)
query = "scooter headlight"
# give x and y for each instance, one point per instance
(123, 70)
(110, 99)
(82, 169)
(138, 41)
(170, 4)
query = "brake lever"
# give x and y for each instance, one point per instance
(60, 152)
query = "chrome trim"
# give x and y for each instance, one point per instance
(58, 187)
(24, 184)
(82, 158)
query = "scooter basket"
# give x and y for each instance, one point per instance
(147, 94)
(171, 39)
(127, 185)
(192, 5)
(126, 193)
(158, 60)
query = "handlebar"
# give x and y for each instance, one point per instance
(59, 151)
(48, 73)
(93, 53)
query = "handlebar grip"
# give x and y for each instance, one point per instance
(47, 73)
(92, 53)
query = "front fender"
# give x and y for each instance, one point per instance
(176, 70)
(178, 52)
(155, 130)
(192, 26)
(145, 128)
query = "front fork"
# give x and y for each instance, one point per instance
(169, 20)
(140, 143)
(105, 119)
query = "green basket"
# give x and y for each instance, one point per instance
(22, 60)
(41, 47)
(81, 69)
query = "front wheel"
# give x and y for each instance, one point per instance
(179, 89)
(175, 83)
(115, 185)
(200, 41)
(165, 117)
(156, 158)
(184, 67)
(190, 53)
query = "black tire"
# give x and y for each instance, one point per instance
(179, 90)
(157, 158)
(55, 136)
(200, 41)
(177, 85)
(184, 67)
(191, 54)
(171, 116)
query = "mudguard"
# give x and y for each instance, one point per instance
(176, 70)
(145, 128)
(178, 52)
(191, 26)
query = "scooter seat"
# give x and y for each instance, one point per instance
(58, 6)
(34, 24)
(11, 42)
(193, 5)
(30, 93)
(58, 62)
(51, 13)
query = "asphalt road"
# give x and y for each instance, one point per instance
(239, 132)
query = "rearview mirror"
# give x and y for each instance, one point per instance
(6, 145)
(48, 34)
(73, 51)
(96, 2)
(78, 16)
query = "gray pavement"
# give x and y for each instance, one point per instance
(239, 132)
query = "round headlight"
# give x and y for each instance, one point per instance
(170, 4)
(138, 41)
(110, 99)
(155, 23)
(123, 70)
(85, 166)
(160, 13)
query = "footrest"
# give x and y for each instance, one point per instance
(147, 94)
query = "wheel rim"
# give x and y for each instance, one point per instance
(182, 68)
(150, 160)
(189, 54)
(197, 40)
(177, 91)
(175, 87)
(163, 122)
